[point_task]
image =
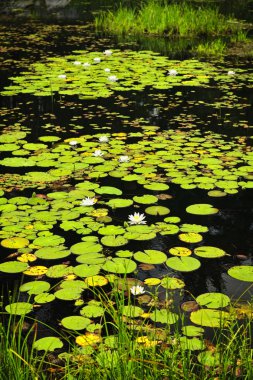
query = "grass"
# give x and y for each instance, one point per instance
(131, 349)
(159, 18)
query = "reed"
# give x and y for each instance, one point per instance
(173, 19)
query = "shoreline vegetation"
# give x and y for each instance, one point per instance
(124, 347)
(173, 20)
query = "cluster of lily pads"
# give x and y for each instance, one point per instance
(111, 229)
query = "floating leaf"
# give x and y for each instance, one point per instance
(202, 209)
(119, 203)
(193, 344)
(157, 210)
(75, 322)
(213, 300)
(89, 339)
(145, 199)
(92, 311)
(183, 264)
(114, 241)
(49, 343)
(13, 267)
(180, 251)
(15, 242)
(150, 256)
(172, 283)
(35, 287)
(96, 281)
(132, 311)
(67, 294)
(164, 316)
(152, 281)
(243, 272)
(210, 317)
(190, 237)
(209, 252)
(37, 270)
(19, 308)
(44, 298)
(120, 265)
(192, 330)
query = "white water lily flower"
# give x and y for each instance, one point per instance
(112, 78)
(103, 139)
(137, 218)
(62, 76)
(172, 72)
(77, 63)
(124, 158)
(97, 59)
(98, 153)
(73, 143)
(107, 70)
(231, 72)
(86, 64)
(135, 290)
(107, 52)
(88, 201)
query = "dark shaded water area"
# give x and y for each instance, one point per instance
(208, 110)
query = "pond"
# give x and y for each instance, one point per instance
(121, 169)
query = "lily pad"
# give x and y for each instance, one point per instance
(120, 265)
(15, 242)
(240, 272)
(150, 256)
(157, 210)
(35, 287)
(49, 343)
(19, 308)
(209, 252)
(172, 283)
(75, 322)
(164, 316)
(13, 267)
(213, 300)
(202, 209)
(210, 317)
(183, 264)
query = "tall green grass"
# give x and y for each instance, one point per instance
(162, 357)
(159, 18)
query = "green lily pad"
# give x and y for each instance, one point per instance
(67, 294)
(202, 209)
(120, 265)
(190, 237)
(209, 358)
(150, 256)
(193, 344)
(86, 247)
(157, 210)
(92, 311)
(111, 230)
(119, 203)
(85, 270)
(52, 253)
(108, 190)
(114, 241)
(191, 330)
(172, 283)
(19, 308)
(132, 311)
(44, 298)
(49, 241)
(145, 199)
(209, 252)
(75, 322)
(13, 267)
(156, 186)
(183, 264)
(240, 272)
(58, 271)
(210, 317)
(49, 343)
(213, 300)
(35, 287)
(164, 316)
